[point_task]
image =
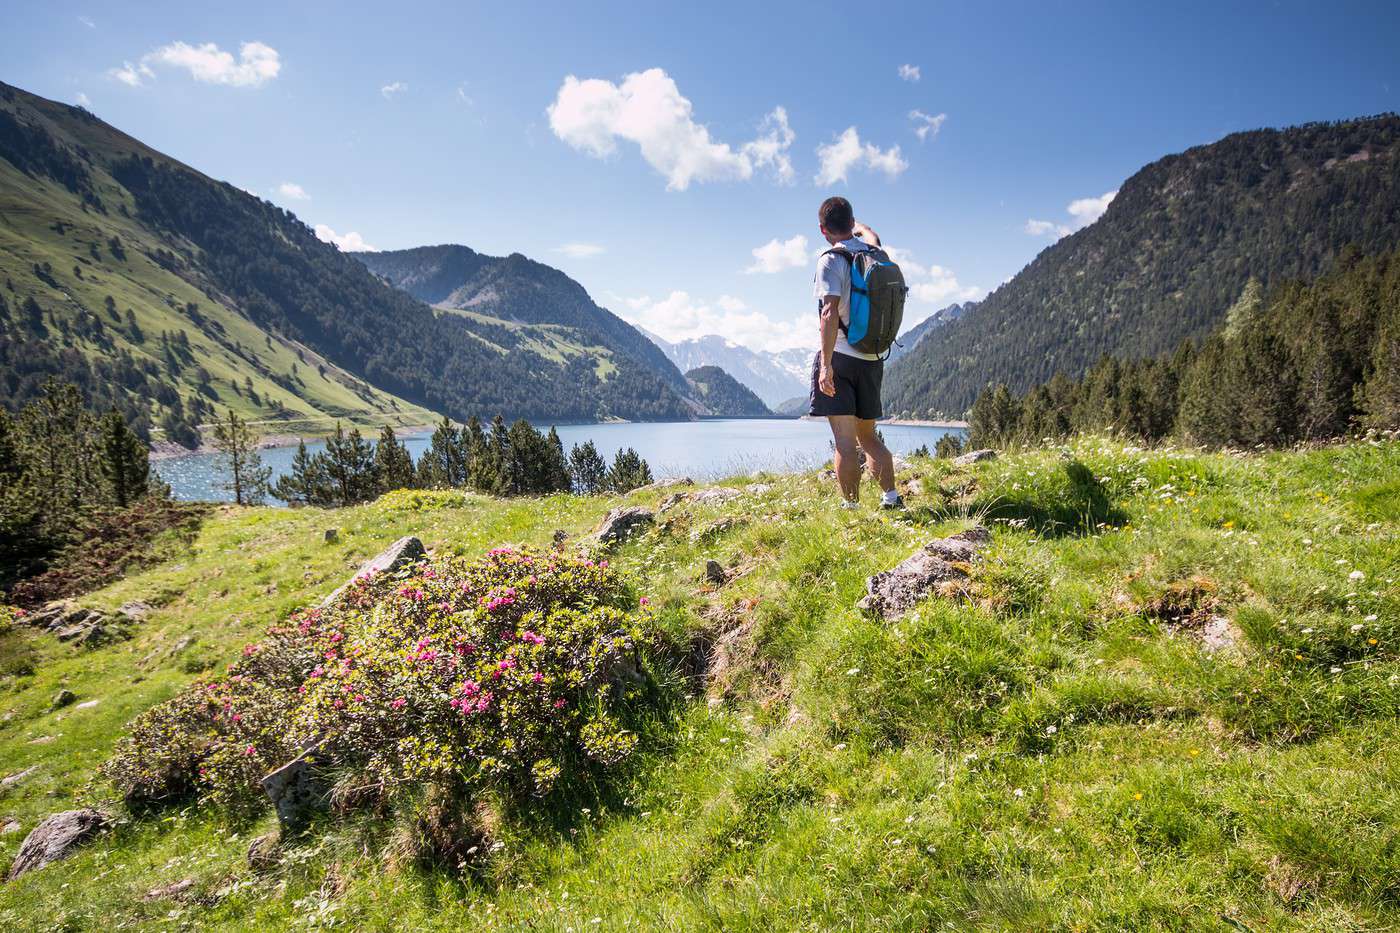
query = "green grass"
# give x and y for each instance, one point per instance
(1058, 752)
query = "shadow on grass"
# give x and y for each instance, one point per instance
(1065, 504)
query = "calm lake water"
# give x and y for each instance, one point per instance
(702, 450)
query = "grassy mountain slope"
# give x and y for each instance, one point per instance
(723, 395)
(94, 253)
(251, 260)
(521, 291)
(1059, 751)
(1173, 252)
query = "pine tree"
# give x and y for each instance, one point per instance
(308, 482)
(627, 472)
(1379, 396)
(556, 469)
(445, 463)
(349, 466)
(123, 459)
(237, 446)
(587, 470)
(393, 466)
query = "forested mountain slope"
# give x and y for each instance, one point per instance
(517, 289)
(220, 298)
(1172, 253)
(723, 395)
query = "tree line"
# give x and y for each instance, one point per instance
(498, 460)
(60, 464)
(1311, 362)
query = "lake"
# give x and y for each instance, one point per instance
(702, 450)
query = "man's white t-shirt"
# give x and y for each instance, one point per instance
(834, 278)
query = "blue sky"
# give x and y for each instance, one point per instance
(692, 135)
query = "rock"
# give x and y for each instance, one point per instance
(915, 487)
(296, 789)
(894, 592)
(42, 740)
(714, 572)
(61, 699)
(10, 781)
(331, 536)
(136, 610)
(1218, 634)
(560, 537)
(407, 550)
(87, 704)
(168, 891)
(11, 826)
(263, 852)
(56, 838)
(758, 489)
(671, 501)
(90, 634)
(715, 495)
(975, 456)
(900, 463)
(623, 522)
(51, 614)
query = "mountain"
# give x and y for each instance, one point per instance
(910, 338)
(171, 295)
(772, 375)
(1175, 249)
(724, 396)
(520, 291)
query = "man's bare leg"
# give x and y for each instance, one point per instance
(843, 431)
(878, 458)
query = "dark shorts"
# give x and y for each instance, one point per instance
(857, 388)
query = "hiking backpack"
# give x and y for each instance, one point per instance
(877, 299)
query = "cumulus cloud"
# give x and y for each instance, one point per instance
(257, 64)
(648, 109)
(293, 191)
(680, 316)
(580, 250)
(350, 242)
(848, 152)
(392, 90)
(932, 284)
(909, 73)
(777, 255)
(131, 74)
(1082, 211)
(82, 100)
(925, 125)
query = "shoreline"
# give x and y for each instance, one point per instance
(922, 423)
(169, 450)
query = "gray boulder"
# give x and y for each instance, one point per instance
(715, 495)
(671, 501)
(136, 610)
(61, 699)
(407, 550)
(623, 522)
(975, 456)
(57, 837)
(894, 592)
(296, 790)
(12, 779)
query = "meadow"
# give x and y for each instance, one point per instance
(1166, 699)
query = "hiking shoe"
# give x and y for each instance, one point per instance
(850, 505)
(897, 504)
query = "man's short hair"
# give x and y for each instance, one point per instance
(836, 215)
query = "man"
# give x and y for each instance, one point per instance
(846, 382)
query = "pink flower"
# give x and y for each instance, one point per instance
(237, 717)
(644, 601)
(339, 703)
(537, 677)
(250, 750)
(470, 688)
(559, 703)
(506, 664)
(399, 703)
(531, 638)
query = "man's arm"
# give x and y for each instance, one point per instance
(830, 323)
(867, 235)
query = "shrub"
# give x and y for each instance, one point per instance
(500, 672)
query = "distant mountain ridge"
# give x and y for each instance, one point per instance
(1172, 253)
(910, 338)
(724, 396)
(771, 375)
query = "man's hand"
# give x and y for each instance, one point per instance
(826, 380)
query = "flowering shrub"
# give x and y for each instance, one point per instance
(500, 671)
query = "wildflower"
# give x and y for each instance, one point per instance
(1372, 641)
(250, 750)
(398, 703)
(1137, 796)
(560, 703)
(1019, 792)
(1356, 575)
(1195, 752)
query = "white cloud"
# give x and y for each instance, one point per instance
(392, 90)
(82, 100)
(925, 125)
(909, 73)
(350, 242)
(87, 21)
(647, 108)
(1084, 211)
(293, 191)
(847, 152)
(933, 284)
(679, 316)
(580, 250)
(130, 74)
(777, 255)
(463, 96)
(257, 64)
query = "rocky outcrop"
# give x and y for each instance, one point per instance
(715, 495)
(407, 550)
(624, 522)
(942, 561)
(975, 456)
(84, 626)
(296, 790)
(57, 837)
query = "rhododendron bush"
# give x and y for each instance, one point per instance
(508, 671)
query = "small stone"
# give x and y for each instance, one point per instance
(715, 495)
(623, 522)
(42, 740)
(56, 838)
(560, 537)
(975, 456)
(168, 891)
(938, 563)
(671, 501)
(7, 782)
(87, 704)
(264, 852)
(332, 536)
(296, 789)
(758, 489)
(915, 487)
(136, 610)
(11, 826)
(714, 572)
(407, 550)
(61, 699)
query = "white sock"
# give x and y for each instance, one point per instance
(891, 497)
